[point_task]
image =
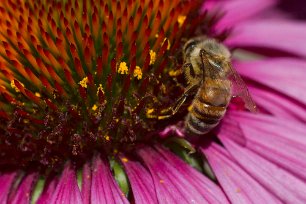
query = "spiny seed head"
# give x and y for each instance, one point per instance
(78, 77)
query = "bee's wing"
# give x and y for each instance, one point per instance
(239, 89)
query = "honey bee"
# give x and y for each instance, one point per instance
(211, 77)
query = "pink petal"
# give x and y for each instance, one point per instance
(276, 180)
(48, 191)
(283, 35)
(278, 104)
(170, 130)
(239, 186)
(24, 191)
(211, 191)
(171, 185)
(86, 183)
(236, 10)
(285, 75)
(280, 141)
(6, 181)
(104, 188)
(67, 190)
(141, 183)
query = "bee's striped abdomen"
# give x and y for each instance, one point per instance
(201, 120)
(208, 108)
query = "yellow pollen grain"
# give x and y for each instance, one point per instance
(181, 19)
(26, 121)
(15, 87)
(94, 107)
(152, 57)
(163, 89)
(107, 138)
(124, 160)
(37, 94)
(123, 68)
(137, 73)
(189, 108)
(174, 73)
(168, 41)
(156, 35)
(83, 83)
(151, 110)
(100, 88)
(161, 181)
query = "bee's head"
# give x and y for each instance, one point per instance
(217, 55)
(215, 49)
(189, 46)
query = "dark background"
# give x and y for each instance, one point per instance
(294, 8)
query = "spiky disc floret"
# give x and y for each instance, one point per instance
(77, 77)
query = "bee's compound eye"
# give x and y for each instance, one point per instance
(189, 46)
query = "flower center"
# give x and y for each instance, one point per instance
(83, 77)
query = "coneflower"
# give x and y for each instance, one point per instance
(80, 77)
(80, 80)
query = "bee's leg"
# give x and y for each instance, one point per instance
(168, 112)
(208, 71)
(188, 71)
